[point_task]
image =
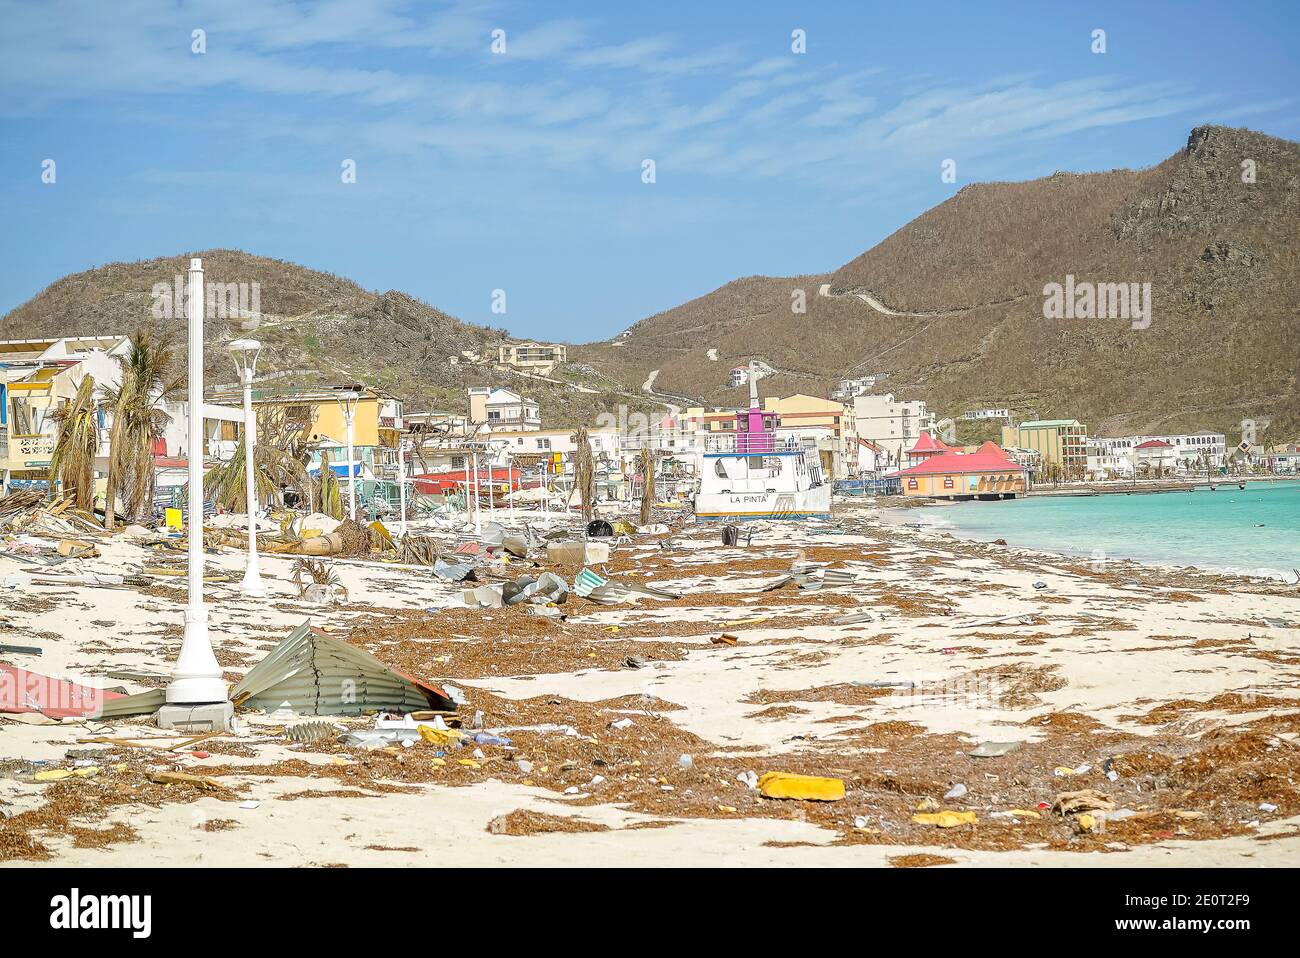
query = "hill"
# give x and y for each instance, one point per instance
(951, 306)
(315, 328)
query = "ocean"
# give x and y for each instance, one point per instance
(1255, 531)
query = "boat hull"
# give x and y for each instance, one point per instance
(812, 503)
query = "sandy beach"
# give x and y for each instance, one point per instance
(1169, 695)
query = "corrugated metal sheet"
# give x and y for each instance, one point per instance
(314, 673)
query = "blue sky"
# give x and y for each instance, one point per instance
(522, 171)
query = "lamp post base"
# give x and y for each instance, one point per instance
(209, 717)
(252, 585)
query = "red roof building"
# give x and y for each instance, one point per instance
(926, 446)
(985, 473)
(1154, 444)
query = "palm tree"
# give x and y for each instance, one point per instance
(279, 460)
(584, 472)
(331, 490)
(647, 464)
(148, 377)
(73, 461)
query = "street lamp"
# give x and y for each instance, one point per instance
(348, 403)
(196, 695)
(244, 352)
(401, 485)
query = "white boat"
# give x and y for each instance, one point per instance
(757, 476)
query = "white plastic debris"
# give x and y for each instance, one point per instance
(685, 761)
(621, 723)
(749, 778)
(957, 791)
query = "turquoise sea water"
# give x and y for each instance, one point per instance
(1254, 531)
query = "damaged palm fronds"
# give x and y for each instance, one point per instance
(316, 581)
(420, 550)
(281, 453)
(30, 512)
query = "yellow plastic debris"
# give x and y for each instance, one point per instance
(53, 775)
(944, 819)
(90, 771)
(437, 736)
(468, 763)
(1024, 813)
(727, 808)
(1085, 822)
(437, 762)
(803, 787)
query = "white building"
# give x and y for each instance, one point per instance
(892, 424)
(502, 409)
(1187, 452)
(846, 389)
(996, 413)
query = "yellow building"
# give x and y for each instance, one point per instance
(823, 423)
(535, 357)
(1060, 442)
(320, 409)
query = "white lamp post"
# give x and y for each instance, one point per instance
(348, 403)
(196, 695)
(478, 519)
(401, 484)
(245, 353)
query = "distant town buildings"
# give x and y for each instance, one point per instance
(1169, 454)
(821, 425)
(503, 410)
(540, 358)
(846, 389)
(1060, 442)
(892, 424)
(996, 413)
(377, 423)
(37, 376)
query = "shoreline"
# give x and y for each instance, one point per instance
(919, 516)
(1115, 487)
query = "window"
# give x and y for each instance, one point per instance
(720, 470)
(543, 444)
(494, 415)
(458, 462)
